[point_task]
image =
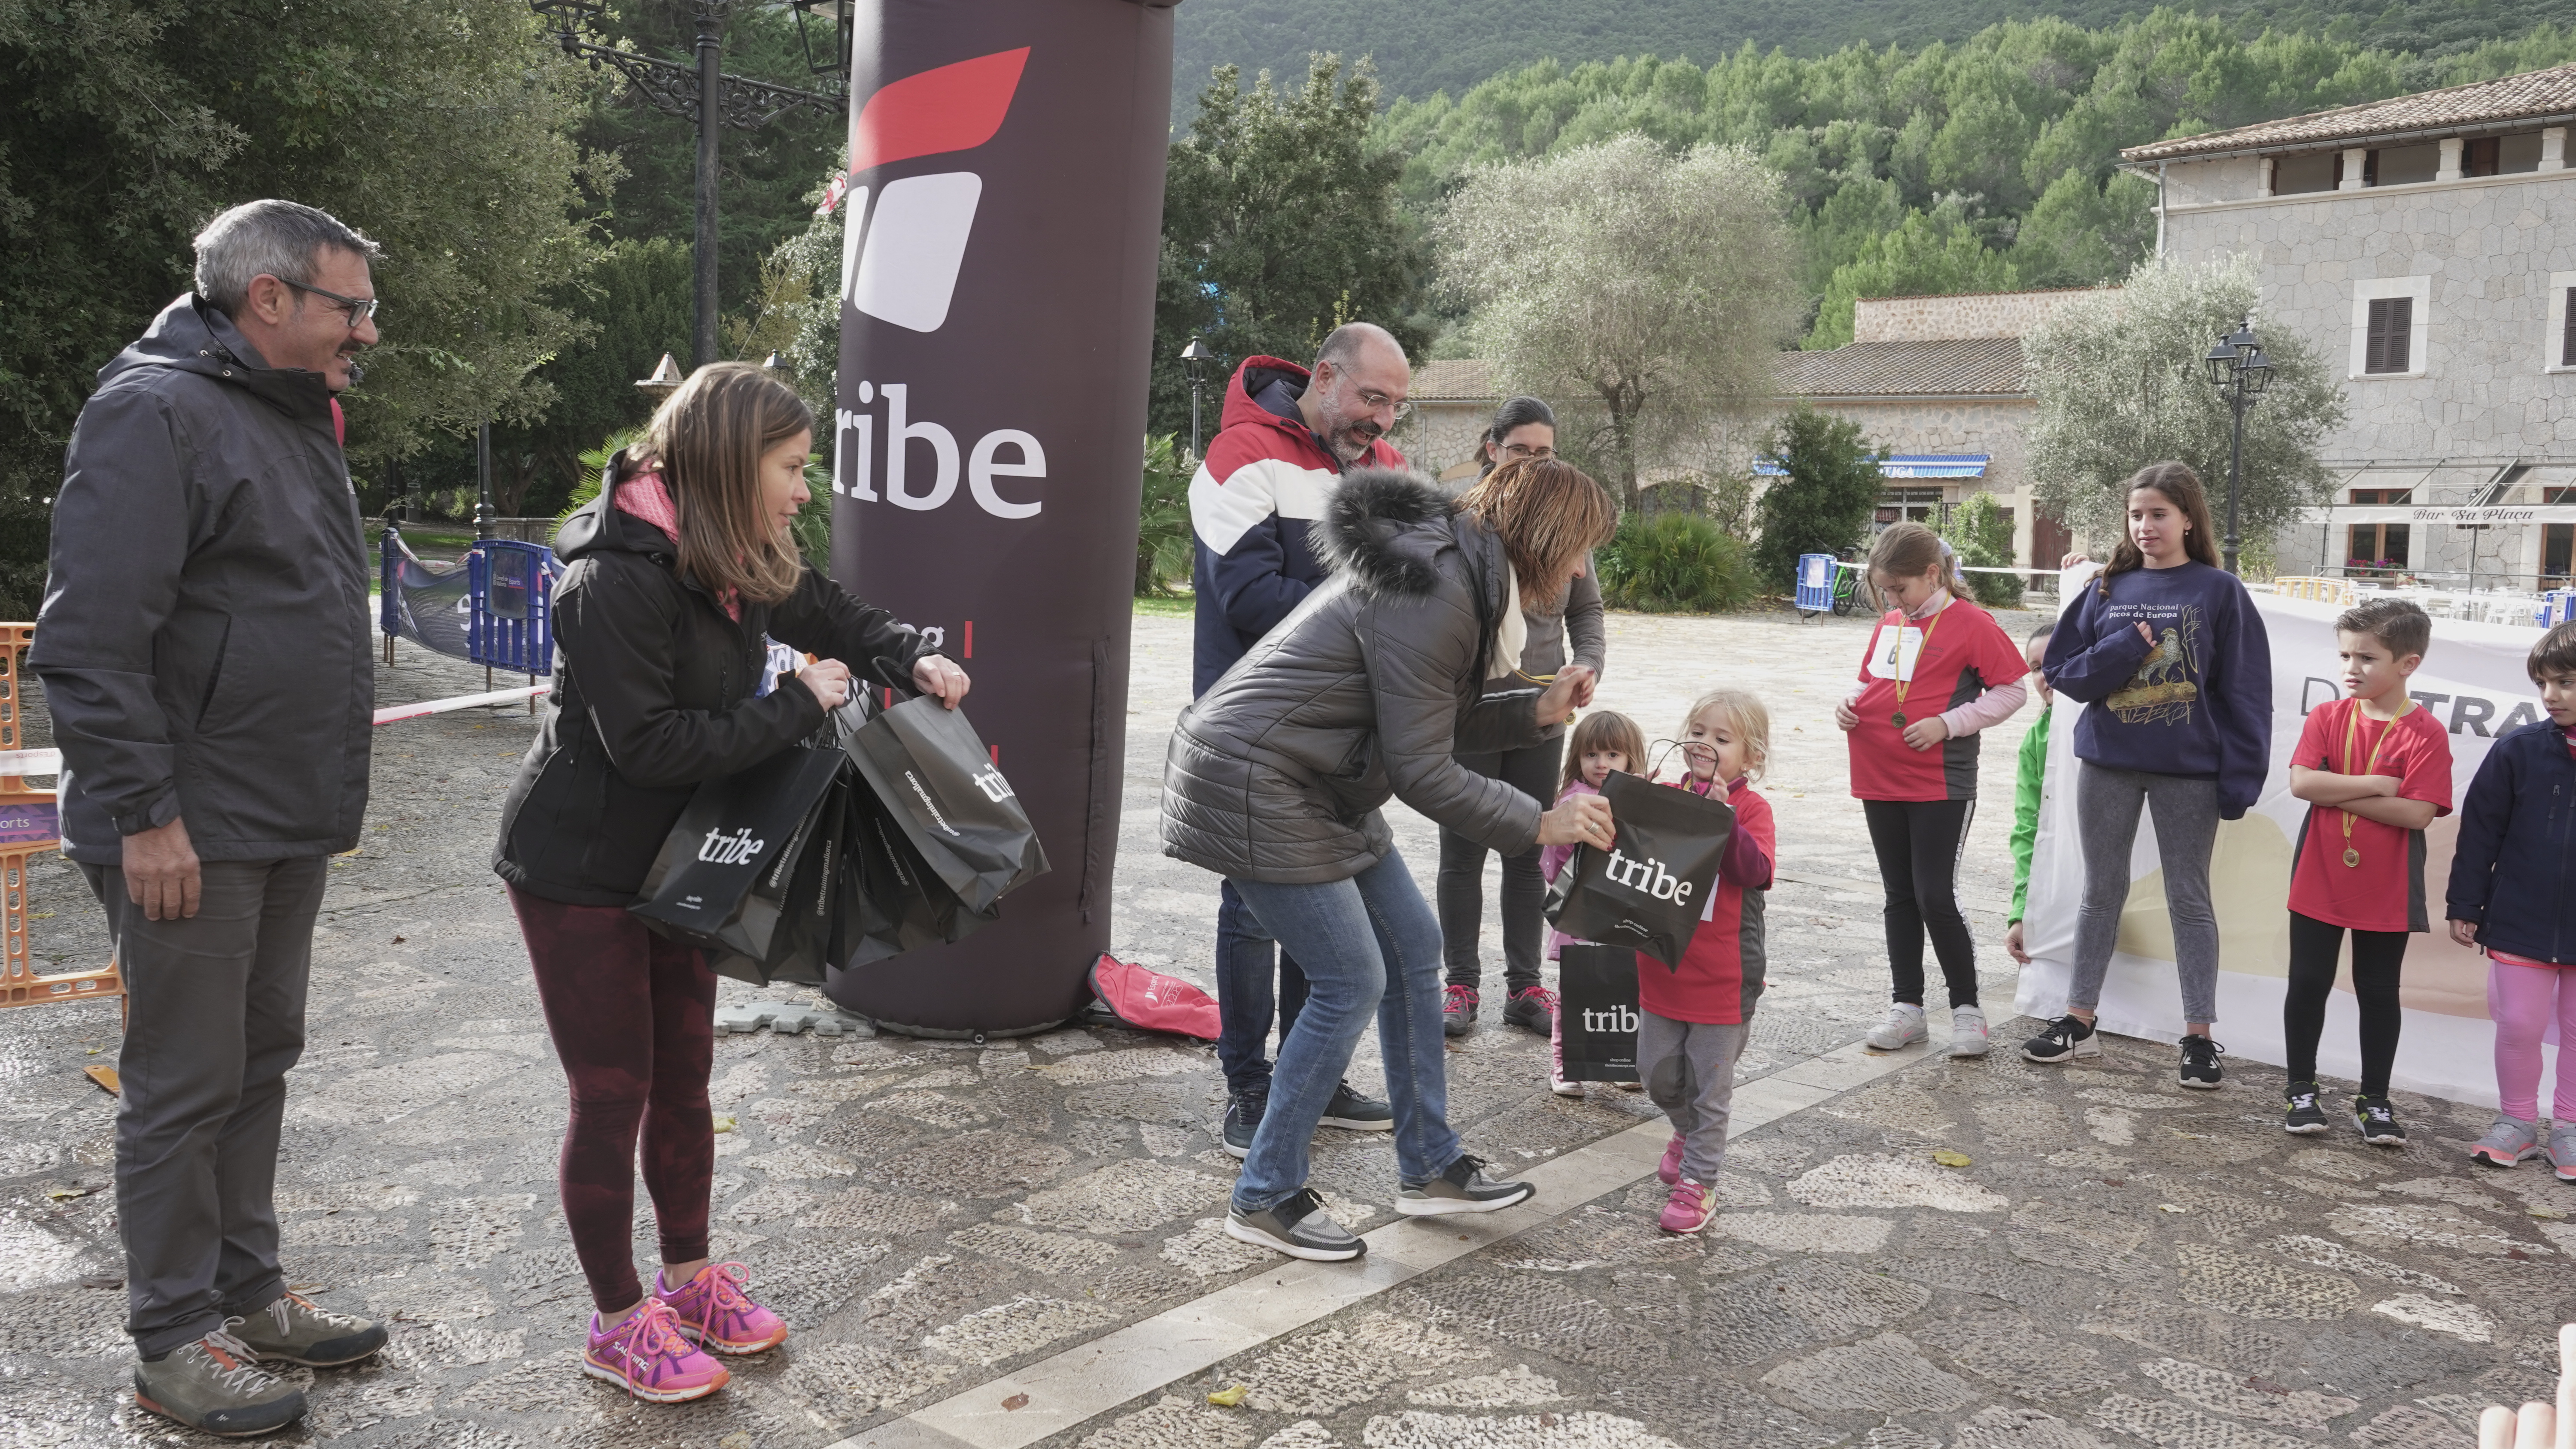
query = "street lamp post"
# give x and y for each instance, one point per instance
(2238, 368)
(1195, 359)
(701, 92)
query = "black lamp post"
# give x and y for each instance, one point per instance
(1195, 359)
(700, 91)
(2238, 368)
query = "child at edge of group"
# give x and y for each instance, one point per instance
(1602, 742)
(2375, 770)
(2030, 782)
(1938, 670)
(1693, 1016)
(2511, 876)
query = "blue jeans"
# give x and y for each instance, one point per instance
(1369, 944)
(1245, 958)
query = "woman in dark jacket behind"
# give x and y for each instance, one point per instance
(678, 569)
(1276, 774)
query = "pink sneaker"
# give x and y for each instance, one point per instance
(1689, 1208)
(714, 1314)
(649, 1358)
(1670, 1169)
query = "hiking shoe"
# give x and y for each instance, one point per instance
(1353, 1112)
(1242, 1119)
(2562, 1149)
(1669, 1171)
(1462, 1188)
(1298, 1226)
(1532, 1008)
(293, 1330)
(2067, 1037)
(716, 1315)
(1630, 1086)
(2304, 1118)
(651, 1358)
(216, 1384)
(1903, 1028)
(1968, 1034)
(2378, 1122)
(2200, 1063)
(1689, 1208)
(2507, 1143)
(1457, 1010)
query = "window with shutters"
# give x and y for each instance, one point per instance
(2567, 327)
(2392, 331)
(2558, 333)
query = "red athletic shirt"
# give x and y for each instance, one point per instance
(2386, 891)
(1956, 655)
(1720, 974)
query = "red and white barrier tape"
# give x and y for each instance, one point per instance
(50, 762)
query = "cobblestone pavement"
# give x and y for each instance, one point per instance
(2116, 1262)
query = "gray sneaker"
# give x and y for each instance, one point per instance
(1463, 1188)
(293, 1330)
(2507, 1143)
(216, 1384)
(2562, 1149)
(1969, 1036)
(1903, 1028)
(1298, 1226)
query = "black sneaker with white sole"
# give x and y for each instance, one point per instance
(2200, 1063)
(1298, 1226)
(2066, 1038)
(2304, 1118)
(2378, 1122)
(1352, 1112)
(1463, 1188)
(1242, 1119)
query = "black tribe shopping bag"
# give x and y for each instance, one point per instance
(1596, 992)
(1647, 891)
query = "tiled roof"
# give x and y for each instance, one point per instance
(1973, 366)
(2530, 95)
(1463, 379)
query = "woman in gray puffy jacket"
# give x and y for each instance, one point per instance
(1368, 690)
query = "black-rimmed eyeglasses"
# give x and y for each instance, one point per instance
(358, 308)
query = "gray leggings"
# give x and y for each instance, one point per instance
(2186, 815)
(1689, 1071)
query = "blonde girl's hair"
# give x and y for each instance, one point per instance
(1549, 514)
(2181, 487)
(1603, 729)
(707, 438)
(1909, 551)
(1744, 710)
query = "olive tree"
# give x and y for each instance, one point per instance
(1644, 293)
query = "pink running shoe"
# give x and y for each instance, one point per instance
(1670, 1169)
(1689, 1208)
(648, 1356)
(716, 1316)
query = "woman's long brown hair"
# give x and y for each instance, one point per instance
(1549, 514)
(707, 438)
(2181, 487)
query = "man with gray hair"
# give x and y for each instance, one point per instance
(204, 649)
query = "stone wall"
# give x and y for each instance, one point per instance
(1973, 314)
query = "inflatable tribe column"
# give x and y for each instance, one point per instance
(1005, 210)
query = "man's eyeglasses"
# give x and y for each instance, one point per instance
(1516, 452)
(1375, 400)
(358, 308)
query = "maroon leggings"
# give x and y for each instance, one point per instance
(633, 1020)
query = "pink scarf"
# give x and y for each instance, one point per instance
(644, 496)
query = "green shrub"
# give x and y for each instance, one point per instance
(1980, 533)
(1822, 500)
(1674, 563)
(1164, 552)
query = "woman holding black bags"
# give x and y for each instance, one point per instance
(678, 569)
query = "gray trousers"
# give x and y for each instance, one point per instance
(1689, 1071)
(214, 1017)
(2107, 802)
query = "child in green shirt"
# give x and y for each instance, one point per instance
(2026, 782)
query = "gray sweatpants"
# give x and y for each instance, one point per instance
(214, 1017)
(2107, 802)
(1689, 1070)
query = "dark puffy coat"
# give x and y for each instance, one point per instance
(2509, 868)
(204, 640)
(654, 696)
(1368, 689)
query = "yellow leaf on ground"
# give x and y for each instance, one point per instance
(1948, 1158)
(724, 1124)
(1229, 1398)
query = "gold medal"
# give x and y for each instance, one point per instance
(1900, 719)
(1905, 677)
(2351, 727)
(2351, 856)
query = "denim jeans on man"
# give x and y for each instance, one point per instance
(1247, 959)
(1368, 945)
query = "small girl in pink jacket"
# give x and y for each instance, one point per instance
(1603, 741)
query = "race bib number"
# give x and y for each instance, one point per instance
(1892, 654)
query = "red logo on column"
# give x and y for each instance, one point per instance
(900, 263)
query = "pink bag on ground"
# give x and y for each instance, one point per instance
(1133, 996)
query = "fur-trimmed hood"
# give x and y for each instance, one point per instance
(1382, 528)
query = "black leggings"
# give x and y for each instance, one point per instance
(1531, 771)
(1918, 844)
(2377, 957)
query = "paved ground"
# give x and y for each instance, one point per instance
(950, 1228)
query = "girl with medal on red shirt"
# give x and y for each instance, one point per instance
(1939, 669)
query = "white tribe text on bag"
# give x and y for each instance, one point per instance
(734, 849)
(1648, 875)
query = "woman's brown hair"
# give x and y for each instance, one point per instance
(1549, 514)
(1909, 551)
(707, 438)
(2181, 487)
(1603, 729)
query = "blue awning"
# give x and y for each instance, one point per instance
(1909, 465)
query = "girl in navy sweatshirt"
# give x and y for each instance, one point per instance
(2167, 649)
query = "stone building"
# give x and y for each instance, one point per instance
(2428, 243)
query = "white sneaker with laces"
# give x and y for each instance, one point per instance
(1968, 1035)
(1903, 1028)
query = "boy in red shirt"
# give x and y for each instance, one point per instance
(2375, 770)
(1693, 1016)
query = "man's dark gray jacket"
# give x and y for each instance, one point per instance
(203, 642)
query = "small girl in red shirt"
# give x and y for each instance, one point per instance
(1693, 1017)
